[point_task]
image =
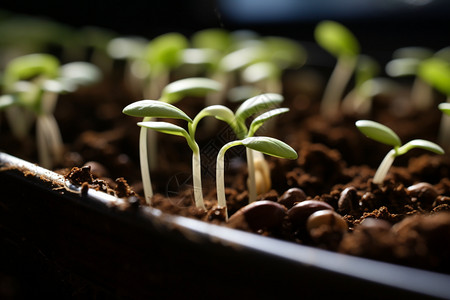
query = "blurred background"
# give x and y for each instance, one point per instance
(380, 25)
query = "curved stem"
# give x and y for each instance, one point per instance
(251, 176)
(336, 86)
(54, 138)
(42, 145)
(444, 130)
(143, 158)
(197, 180)
(220, 175)
(384, 167)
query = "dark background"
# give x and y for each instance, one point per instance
(378, 24)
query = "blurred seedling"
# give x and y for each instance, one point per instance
(341, 43)
(387, 136)
(31, 84)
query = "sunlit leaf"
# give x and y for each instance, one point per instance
(378, 132)
(270, 146)
(195, 86)
(257, 104)
(155, 109)
(336, 39)
(261, 119)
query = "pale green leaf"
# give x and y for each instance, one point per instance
(402, 67)
(195, 86)
(155, 109)
(436, 72)
(257, 104)
(220, 112)
(166, 49)
(285, 52)
(422, 144)
(260, 71)
(261, 119)
(378, 132)
(164, 127)
(212, 38)
(7, 101)
(28, 66)
(445, 108)
(336, 39)
(270, 146)
(80, 73)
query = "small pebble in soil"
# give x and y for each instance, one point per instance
(261, 215)
(347, 200)
(376, 223)
(423, 191)
(292, 196)
(299, 213)
(326, 218)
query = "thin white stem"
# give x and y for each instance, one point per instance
(145, 172)
(42, 144)
(19, 120)
(220, 175)
(421, 94)
(152, 145)
(251, 176)
(197, 180)
(384, 167)
(444, 130)
(54, 137)
(336, 85)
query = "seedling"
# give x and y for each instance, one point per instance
(385, 135)
(358, 100)
(33, 83)
(163, 54)
(247, 109)
(148, 109)
(340, 42)
(266, 145)
(436, 72)
(406, 62)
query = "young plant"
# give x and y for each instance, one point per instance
(436, 72)
(149, 109)
(340, 42)
(33, 83)
(358, 100)
(406, 62)
(385, 135)
(266, 145)
(256, 163)
(163, 54)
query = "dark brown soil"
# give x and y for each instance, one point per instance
(406, 220)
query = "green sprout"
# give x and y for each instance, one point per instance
(445, 108)
(436, 72)
(385, 135)
(162, 108)
(407, 62)
(255, 160)
(282, 53)
(340, 42)
(163, 54)
(256, 164)
(266, 145)
(358, 100)
(32, 84)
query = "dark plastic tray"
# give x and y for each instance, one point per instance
(140, 252)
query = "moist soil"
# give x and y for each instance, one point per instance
(405, 220)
